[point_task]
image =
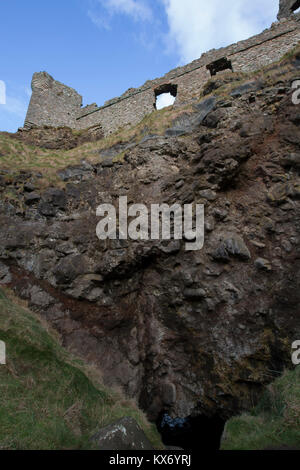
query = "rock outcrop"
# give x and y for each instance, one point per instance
(125, 434)
(189, 332)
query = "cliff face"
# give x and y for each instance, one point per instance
(198, 331)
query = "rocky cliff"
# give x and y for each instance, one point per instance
(197, 332)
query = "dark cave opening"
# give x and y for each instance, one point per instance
(191, 433)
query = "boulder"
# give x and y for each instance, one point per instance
(232, 245)
(125, 434)
(263, 264)
(31, 198)
(5, 276)
(186, 123)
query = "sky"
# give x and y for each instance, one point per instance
(103, 47)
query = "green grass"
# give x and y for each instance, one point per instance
(48, 399)
(273, 423)
(16, 156)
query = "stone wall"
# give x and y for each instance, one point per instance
(54, 104)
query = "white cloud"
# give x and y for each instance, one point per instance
(196, 26)
(164, 100)
(13, 112)
(138, 10)
(99, 20)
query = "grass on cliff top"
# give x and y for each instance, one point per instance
(274, 423)
(48, 399)
(16, 155)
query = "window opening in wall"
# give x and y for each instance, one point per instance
(165, 95)
(219, 65)
(296, 7)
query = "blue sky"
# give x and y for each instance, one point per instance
(103, 47)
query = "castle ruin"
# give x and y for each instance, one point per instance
(57, 105)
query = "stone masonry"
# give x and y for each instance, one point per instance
(54, 104)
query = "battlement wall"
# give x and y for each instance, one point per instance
(55, 104)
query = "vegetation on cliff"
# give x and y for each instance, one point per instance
(273, 423)
(48, 399)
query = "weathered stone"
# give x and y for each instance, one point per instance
(232, 245)
(179, 184)
(7, 208)
(287, 246)
(5, 276)
(187, 123)
(40, 298)
(279, 193)
(69, 268)
(116, 150)
(263, 264)
(76, 173)
(53, 200)
(29, 187)
(31, 198)
(56, 197)
(58, 138)
(125, 434)
(47, 209)
(171, 247)
(220, 214)
(168, 394)
(246, 88)
(291, 159)
(107, 162)
(213, 119)
(203, 109)
(194, 293)
(208, 194)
